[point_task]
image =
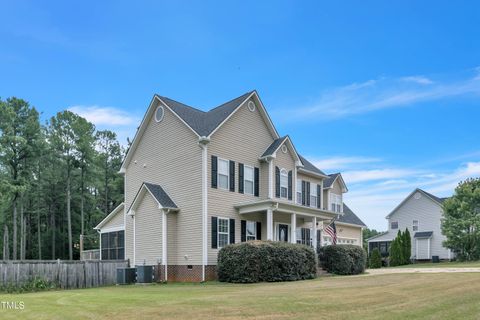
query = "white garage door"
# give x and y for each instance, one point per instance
(422, 249)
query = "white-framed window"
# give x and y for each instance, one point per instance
(313, 195)
(251, 230)
(299, 191)
(283, 183)
(223, 232)
(394, 225)
(248, 179)
(223, 174)
(335, 202)
(327, 241)
(415, 225)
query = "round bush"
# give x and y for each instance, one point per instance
(257, 261)
(342, 259)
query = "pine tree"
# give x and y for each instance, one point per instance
(407, 246)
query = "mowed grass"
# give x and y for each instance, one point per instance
(395, 296)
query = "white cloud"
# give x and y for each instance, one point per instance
(383, 93)
(104, 115)
(356, 176)
(417, 79)
(337, 163)
(373, 198)
(123, 123)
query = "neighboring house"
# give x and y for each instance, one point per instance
(421, 212)
(197, 181)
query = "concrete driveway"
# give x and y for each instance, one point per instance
(419, 270)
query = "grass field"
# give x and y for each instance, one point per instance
(396, 296)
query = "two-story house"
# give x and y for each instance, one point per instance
(421, 213)
(197, 181)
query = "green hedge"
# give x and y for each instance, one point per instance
(342, 259)
(375, 259)
(257, 261)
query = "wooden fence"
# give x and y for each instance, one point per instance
(90, 254)
(67, 274)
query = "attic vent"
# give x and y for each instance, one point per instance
(284, 149)
(251, 106)
(417, 195)
(159, 113)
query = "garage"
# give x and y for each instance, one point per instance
(422, 245)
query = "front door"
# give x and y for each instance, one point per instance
(283, 232)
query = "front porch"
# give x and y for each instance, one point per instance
(287, 221)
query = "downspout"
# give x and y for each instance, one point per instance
(203, 142)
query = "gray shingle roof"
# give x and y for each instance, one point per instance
(204, 123)
(160, 195)
(439, 200)
(327, 183)
(307, 165)
(423, 234)
(274, 146)
(350, 217)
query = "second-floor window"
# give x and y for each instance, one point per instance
(313, 195)
(335, 202)
(299, 191)
(394, 225)
(248, 179)
(415, 225)
(283, 183)
(223, 173)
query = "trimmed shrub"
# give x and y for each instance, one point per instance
(257, 261)
(375, 259)
(342, 259)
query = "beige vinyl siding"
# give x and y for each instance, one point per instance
(243, 138)
(312, 180)
(115, 221)
(284, 161)
(168, 154)
(349, 232)
(148, 235)
(264, 180)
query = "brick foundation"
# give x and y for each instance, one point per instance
(184, 273)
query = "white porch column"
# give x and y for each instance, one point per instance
(293, 228)
(269, 224)
(314, 231)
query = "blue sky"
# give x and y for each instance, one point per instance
(387, 93)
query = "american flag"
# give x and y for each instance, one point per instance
(331, 230)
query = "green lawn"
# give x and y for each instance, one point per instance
(395, 296)
(473, 264)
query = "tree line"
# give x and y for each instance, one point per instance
(57, 181)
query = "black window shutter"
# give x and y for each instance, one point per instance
(290, 177)
(256, 184)
(307, 196)
(243, 230)
(319, 190)
(214, 232)
(232, 230)
(232, 175)
(277, 182)
(240, 177)
(303, 192)
(259, 231)
(214, 171)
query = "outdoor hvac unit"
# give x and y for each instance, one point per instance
(435, 259)
(144, 274)
(125, 275)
